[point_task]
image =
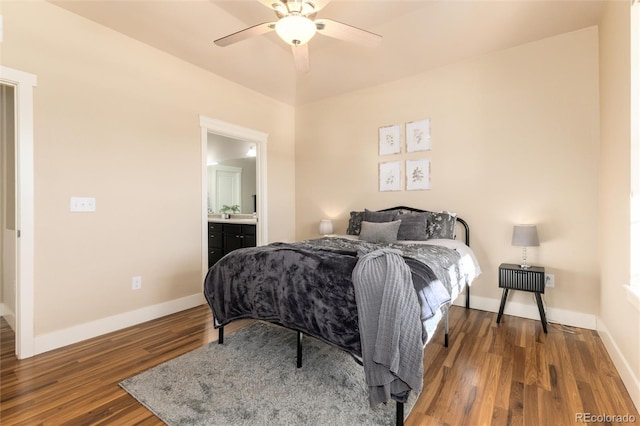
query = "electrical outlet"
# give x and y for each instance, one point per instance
(136, 283)
(549, 280)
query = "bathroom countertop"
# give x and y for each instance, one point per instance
(241, 219)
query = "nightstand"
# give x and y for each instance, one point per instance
(513, 277)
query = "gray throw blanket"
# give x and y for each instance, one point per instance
(390, 327)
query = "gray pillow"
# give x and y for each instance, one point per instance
(379, 232)
(413, 226)
(372, 216)
(355, 219)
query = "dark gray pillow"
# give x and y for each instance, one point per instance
(355, 219)
(413, 226)
(379, 232)
(372, 216)
(441, 225)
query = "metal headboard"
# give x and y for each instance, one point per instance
(413, 209)
(466, 237)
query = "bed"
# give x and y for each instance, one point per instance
(318, 286)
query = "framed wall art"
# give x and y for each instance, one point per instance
(389, 140)
(390, 177)
(418, 174)
(418, 135)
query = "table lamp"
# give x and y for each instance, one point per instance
(326, 227)
(525, 236)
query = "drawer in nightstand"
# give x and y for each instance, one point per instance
(514, 277)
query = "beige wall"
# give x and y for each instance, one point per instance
(619, 320)
(118, 120)
(515, 139)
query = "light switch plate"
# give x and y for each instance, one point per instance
(82, 204)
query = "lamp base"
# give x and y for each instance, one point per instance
(524, 264)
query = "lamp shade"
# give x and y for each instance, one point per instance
(295, 29)
(326, 227)
(525, 236)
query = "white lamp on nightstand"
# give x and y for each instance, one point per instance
(525, 236)
(326, 227)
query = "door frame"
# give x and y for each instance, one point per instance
(24, 84)
(219, 127)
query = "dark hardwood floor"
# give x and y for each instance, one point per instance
(499, 374)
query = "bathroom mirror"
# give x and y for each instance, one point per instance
(231, 174)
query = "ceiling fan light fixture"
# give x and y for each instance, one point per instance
(302, 7)
(295, 29)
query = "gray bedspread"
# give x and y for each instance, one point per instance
(307, 286)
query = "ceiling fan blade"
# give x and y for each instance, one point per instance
(256, 30)
(346, 32)
(301, 57)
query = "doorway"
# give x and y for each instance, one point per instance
(20, 240)
(8, 249)
(242, 135)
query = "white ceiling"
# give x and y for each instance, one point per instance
(417, 35)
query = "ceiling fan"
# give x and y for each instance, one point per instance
(297, 24)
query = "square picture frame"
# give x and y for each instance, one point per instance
(390, 178)
(418, 135)
(389, 140)
(418, 174)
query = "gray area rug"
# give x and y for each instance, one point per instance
(252, 379)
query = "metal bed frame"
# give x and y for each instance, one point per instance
(399, 405)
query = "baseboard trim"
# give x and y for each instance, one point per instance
(530, 311)
(631, 382)
(78, 333)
